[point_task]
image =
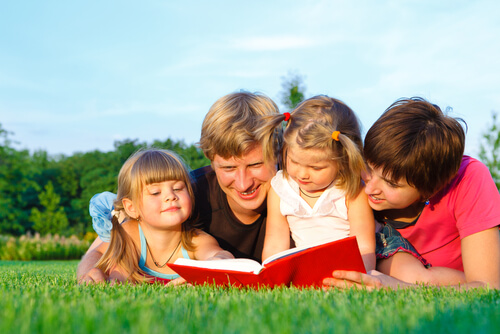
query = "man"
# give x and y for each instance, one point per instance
(230, 194)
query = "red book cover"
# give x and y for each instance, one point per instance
(300, 267)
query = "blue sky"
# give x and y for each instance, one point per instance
(77, 75)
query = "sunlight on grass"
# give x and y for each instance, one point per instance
(43, 297)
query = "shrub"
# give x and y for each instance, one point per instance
(28, 247)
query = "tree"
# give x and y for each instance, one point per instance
(490, 149)
(53, 219)
(17, 187)
(293, 90)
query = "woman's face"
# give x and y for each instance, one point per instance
(386, 194)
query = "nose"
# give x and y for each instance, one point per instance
(170, 196)
(243, 180)
(371, 183)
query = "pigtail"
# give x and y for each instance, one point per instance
(123, 254)
(351, 166)
(270, 134)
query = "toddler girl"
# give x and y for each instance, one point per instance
(318, 196)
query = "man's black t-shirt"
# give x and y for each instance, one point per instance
(214, 216)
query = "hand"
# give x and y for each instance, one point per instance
(342, 279)
(221, 255)
(178, 281)
(93, 276)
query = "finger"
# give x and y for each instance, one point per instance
(354, 276)
(97, 275)
(116, 277)
(176, 282)
(86, 280)
(332, 283)
(359, 279)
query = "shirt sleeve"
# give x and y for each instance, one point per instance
(478, 200)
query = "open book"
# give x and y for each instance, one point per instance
(301, 267)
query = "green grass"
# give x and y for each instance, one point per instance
(43, 297)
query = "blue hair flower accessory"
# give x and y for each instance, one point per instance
(101, 211)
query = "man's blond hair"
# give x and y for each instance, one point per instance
(229, 127)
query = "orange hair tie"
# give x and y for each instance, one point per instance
(335, 135)
(287, 116)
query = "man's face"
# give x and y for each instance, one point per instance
(245, 180)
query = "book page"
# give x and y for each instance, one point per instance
(291, 251)
(242, 265)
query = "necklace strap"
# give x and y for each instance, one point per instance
(153, 258)
(302, 191)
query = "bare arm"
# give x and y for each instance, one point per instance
(86, 271)
(277, 230)
(207, 248)
(362, 225)
(480, 256)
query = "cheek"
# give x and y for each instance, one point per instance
(401, 199)
(264, 174)
(224, 179)
(291, 169)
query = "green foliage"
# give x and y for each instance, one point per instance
(44, 298)
(31, 185)
(490, 149)
(293, 90)
(18, 187)
(28, 248)
(53, 219)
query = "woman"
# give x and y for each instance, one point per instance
(444, 203)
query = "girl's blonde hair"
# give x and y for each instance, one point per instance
(311, 126)
(145, 167)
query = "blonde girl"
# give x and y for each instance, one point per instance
(156, 197)
(318, 196)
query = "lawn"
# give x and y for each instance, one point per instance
(43, 297)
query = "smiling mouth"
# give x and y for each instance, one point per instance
(376, 198)
(171, 209)
(248, 192)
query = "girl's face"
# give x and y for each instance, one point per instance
(312, 169)
(385, 194)
(166, 204)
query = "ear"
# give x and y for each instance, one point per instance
(130, 208)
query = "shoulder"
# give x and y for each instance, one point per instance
(471, 165)
(473, 174)
(279, 177)
(204, 182)
(361, 197)
(131, 226)
(201, 173)
(201, 238)
(281, 185)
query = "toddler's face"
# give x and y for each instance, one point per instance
(312, 169)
